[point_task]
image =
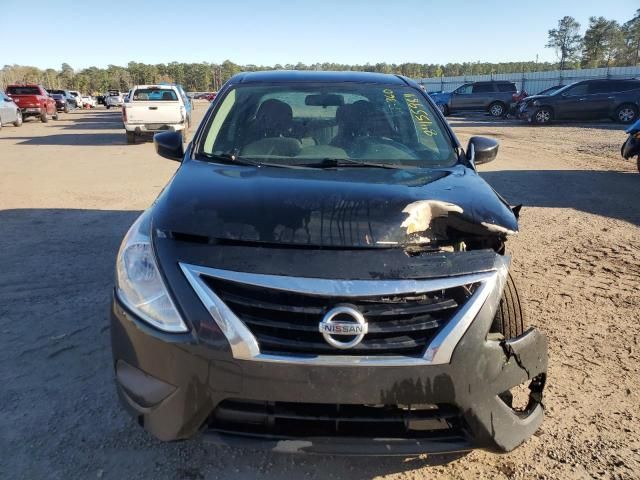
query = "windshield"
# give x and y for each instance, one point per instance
(298, 124)
(563, 89)
(23, 90)
(154, 94)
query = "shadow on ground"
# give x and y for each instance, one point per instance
(111, 121)
(63, 417)
(604, 193)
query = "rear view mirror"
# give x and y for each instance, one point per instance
(326, 100)
(482, 150)
(169, 145)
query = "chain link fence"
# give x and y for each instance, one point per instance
(532, 82)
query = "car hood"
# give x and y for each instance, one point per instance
(531, 98)
(350, 207)
(440, 96)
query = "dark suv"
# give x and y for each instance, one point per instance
(494, 97)
(326, 273)
(618, 100)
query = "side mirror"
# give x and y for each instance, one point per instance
(482, 150)
(169, 145)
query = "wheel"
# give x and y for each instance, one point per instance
(43, 117)
(627, 113)
(18, 121)
(55, 116)
(509, 319)
(108, 107)
(131, 137)
(443, 108)
(66, 109)
(542, 116)
(497, 109)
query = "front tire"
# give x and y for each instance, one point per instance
(18, 122)
(509, 319)
(131, 138)
(108, 107)
(626, 113)
(542, 116)
(43, 117)
(444, 109)
(497, 109)
(55, 116)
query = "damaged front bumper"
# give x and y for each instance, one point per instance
(181, 384)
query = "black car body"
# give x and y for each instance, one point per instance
(324, 305)
(70, 100)
(618, 100)
(61, 102)
(494, 97)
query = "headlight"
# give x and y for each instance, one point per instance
(138, 281)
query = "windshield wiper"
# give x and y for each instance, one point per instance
(233, 158)
(348, 162)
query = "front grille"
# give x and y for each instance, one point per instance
(284, 322)
(304, 420)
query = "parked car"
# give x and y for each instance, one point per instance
(72, 102)
(34, 101)
(325, 273)
(494, 97)
(186, 100)
(9, 111)
(88, 102)
(78, 98)
(631, 147)
(113, 98)
(618, 100)
(153, 108)
(61, 102)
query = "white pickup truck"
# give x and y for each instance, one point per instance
(153, 108)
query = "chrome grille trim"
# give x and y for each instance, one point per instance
(244, 345)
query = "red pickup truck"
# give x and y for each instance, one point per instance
(34, 101)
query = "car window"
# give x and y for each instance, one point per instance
(23, 90)
(601, 87)
(580, 89)
(483, 88)
(463, 90)
(155, 94)
(297, 124)
(506, 87)
(622, 85)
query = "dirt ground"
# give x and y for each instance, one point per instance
(70, 189)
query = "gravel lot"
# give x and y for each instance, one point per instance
(70, 189)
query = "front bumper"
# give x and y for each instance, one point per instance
(173, 384)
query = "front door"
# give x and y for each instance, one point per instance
(573, 104)
(461, 98)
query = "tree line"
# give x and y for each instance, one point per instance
(604, 43)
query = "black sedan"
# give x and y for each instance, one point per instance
(618, 100)
(325, 273)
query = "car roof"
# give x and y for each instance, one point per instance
(306, 76)
(159, 86)
(494, 81)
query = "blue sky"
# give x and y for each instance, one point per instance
(45, 33)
